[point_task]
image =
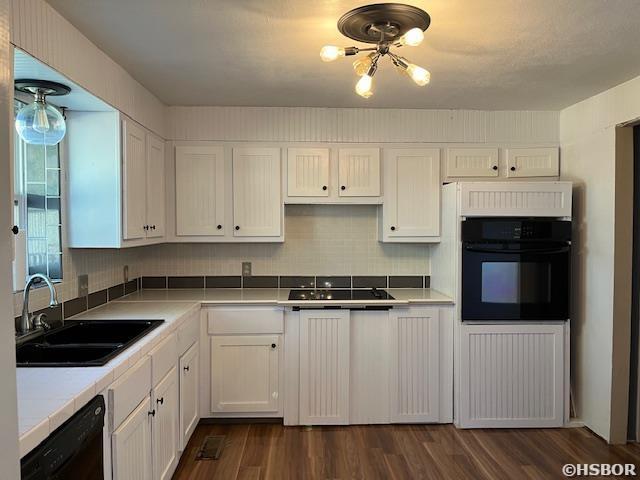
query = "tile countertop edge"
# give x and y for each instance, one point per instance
(34, 427)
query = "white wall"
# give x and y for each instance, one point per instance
(42, 32)
(602, 197)
(9, 456)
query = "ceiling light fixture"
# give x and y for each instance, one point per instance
(40, 123)
(387, 25)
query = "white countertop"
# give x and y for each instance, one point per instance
(47, 397)
(279, 296)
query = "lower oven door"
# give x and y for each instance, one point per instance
(515, 281)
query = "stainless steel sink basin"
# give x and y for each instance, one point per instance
(83, 343)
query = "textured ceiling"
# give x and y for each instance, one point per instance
(482, 54)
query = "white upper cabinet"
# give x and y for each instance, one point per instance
(116, 174)
(134, 180)
(155, 187)
(257, 200)
(533, 162)
(359, 172)
(411, 209)
(200, 191)
(472, 162)
(308, 172)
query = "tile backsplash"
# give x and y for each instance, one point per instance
(322, 240)
(319, 240)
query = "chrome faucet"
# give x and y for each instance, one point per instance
(25, 325)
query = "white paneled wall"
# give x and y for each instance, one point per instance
(320, 239)
(42, 32)
(304, 124)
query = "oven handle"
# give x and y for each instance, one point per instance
(526, 250)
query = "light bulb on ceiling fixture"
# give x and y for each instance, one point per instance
(364, 87)
(412, 38)
(329, 53)
(40, 123)
(362, 65)
(418, 74)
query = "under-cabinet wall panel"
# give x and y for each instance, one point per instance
(41, 31)
(324, 367)
(512, 376)
(415, 365)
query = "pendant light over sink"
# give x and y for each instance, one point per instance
(40, 123)
(387, 25)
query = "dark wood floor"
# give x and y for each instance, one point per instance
(396, 452)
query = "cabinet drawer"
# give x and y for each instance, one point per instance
(128, 391)
(188, 333)
(163, 357)
(223, 321)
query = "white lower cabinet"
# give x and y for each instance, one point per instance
(245, 371)
(324, 367)
(163, 428)
(414, 377)
(189, 373)
(513, 376)
(131, 445)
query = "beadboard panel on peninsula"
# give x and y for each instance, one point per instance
(42, 32)
(360, 125)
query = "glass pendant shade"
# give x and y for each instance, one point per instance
(40, 123)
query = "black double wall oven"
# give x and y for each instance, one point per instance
(515, 269)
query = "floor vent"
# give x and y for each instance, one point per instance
(212, 447)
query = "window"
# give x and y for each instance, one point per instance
(37, 212)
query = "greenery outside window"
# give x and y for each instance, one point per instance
(37, 209)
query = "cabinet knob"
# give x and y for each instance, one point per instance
(513, 169)
(152, 412)
(273, 345)
(343, 187)
(219, 227)
(495, 167)
(15, 229)
(153, 227)
(160, 401)
(146, 227)
(186, 369)
(237, 227)
(324, 187)
(393, 229)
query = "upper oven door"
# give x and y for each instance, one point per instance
(515, 281)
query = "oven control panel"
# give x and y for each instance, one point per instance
(515, 229)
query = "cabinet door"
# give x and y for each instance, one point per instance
(412, 193)
(472, 162)
(155, 187)
(134, 180)
(200, 184)
(533, 162)
(414, 371)
(359, 172)
(165, 439)
(324, 367)
(245, 373)
(257, 196)
(189, 380)
(308, 172)
(512, 376)
(131, 445)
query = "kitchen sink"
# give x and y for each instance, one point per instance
(83, 343)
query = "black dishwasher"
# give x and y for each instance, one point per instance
(72, 451)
